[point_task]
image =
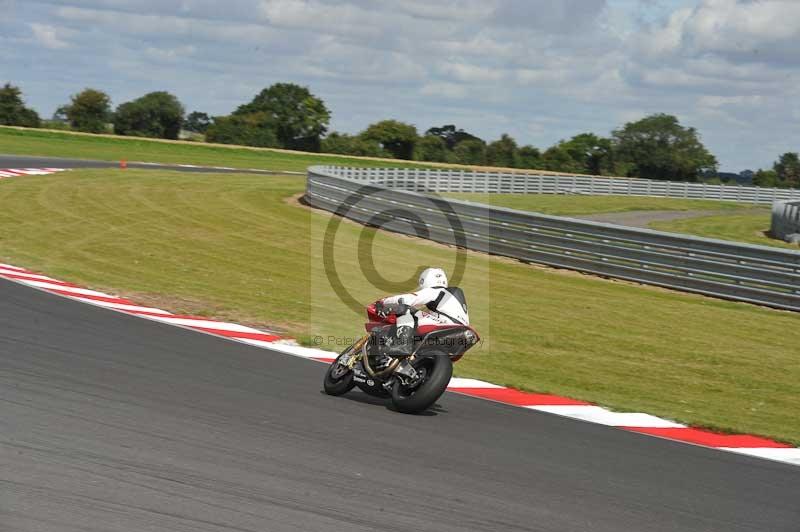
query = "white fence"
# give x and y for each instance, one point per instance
(518, 183)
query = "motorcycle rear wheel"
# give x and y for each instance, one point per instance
(338, 379)
(438, 369)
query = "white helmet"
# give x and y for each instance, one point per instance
(433, 277)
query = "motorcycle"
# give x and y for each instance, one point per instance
(413, 382)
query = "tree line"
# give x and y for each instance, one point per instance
(286, 115)
(785, 173)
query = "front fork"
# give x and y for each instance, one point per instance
(353, 354)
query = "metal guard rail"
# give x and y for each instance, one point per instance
(718, 268)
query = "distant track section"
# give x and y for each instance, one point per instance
(25, 162)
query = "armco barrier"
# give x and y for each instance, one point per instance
(741, 272)
(519, 183)
(785, 219)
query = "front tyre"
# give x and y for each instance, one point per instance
(435, 371)
(338, 378)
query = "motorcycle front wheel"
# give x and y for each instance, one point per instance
(338, 378)
(435, 371)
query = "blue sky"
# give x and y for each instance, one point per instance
(540, 70)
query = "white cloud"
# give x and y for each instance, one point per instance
(444, 89)
(471, 73)
(537, 69)
(346, 19)
(731, 26)
(757, 31)
(667, 39)
(480, 45)
(547, 16)
(48, 36)
(541, 76)
(442, 10)
(170, 54)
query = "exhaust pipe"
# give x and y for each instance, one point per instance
(377, 374)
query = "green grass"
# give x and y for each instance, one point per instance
(109, 148)
(565, 205)
(233, 247)
(749, 227)
(738, 222)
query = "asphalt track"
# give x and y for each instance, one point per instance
(22, 161)
(112, 422)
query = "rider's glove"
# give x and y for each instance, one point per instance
(380, 308)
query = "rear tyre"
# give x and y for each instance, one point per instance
(338, 378)
(436, 369)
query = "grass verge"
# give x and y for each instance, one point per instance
(37, 142)
(106, 147)
(566, 205)
(233, 246)
(750, 227)
(735, 221)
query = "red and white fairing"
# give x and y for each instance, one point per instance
(448, 307)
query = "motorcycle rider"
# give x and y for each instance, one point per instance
(445, 306)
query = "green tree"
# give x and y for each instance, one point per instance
(765, 178)
(60, 115)
(247, 130)
(344, 144)
(13, 111)
(529, 157)
(88, 111)
(299, 118)
(396, 137)
(593, 155)
(746, 176)
(339, 143)
(430, 148)
(502, 152)
(787, 169)
(469, 152)
(157, 114)
(197, 122)
(450, 135)
(558, 159)
(659, 147)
